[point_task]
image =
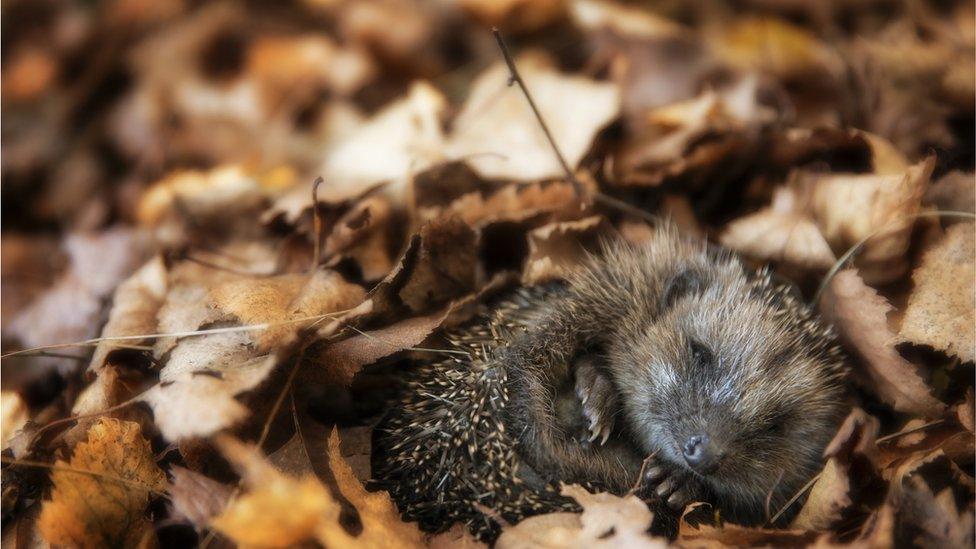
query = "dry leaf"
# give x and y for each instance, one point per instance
(555, 249)
(940, 308)
(778, 233)
(13, 416)
(606, 521)
(774, 45)
(859, 314)
(931, 519)
(281, 300)
(848, 208)
(499, 136)
(99, 510)
(403, 138)
(278, 510)
(382, 526)
(515, 15)
(70, 310)
(831, 494)
(343, 359)
(196, 497)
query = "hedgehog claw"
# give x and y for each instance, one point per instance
(678, 500)
(596, 398)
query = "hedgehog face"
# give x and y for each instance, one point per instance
(727, 387)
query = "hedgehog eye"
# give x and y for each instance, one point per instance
(700, 354)
(776, 424)
(683, 283)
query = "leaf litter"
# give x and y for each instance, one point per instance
(197, 344)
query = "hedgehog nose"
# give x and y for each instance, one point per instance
(699, 452)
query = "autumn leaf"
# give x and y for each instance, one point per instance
(278, 510)
(100, 495)
(606, 521)
(940, 308)
(860, 316)
(499, 136)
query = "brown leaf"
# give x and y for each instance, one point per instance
(555, 249)
(931, 519)
(940, 308)
(196, 497)
(734, 535)
(343, 359)
(276, 510)
(439, 264)
(283, 298)
(515, 15)
(457, 537)
(831, 494)
(859, 314)
(99, 511)
(134, 308)
(511, 203)
(774, 45)
(70, 310)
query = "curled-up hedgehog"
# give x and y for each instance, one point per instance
(667, 349)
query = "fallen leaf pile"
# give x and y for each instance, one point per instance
(230, 226)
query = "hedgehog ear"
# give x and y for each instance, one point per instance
(685, 282)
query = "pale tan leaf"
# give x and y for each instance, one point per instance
(778, 233)
(940, 308)
(403, 138)
(606, 521)
(500, 137)
(13, 415)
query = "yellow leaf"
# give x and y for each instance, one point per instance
(382, 526)
(280, 510)
(104, 507)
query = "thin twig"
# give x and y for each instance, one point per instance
(640, 474)
(316, 224)
(396, 346)
(209, 331)
(70, 469)
(61, 421)
(893, 436)
(853, 250)
(795, 497)
(514, 77)
(769, 495)
(232, 270)
(281, 397)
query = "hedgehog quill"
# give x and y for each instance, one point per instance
(668, 349)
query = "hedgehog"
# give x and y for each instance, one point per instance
(669, 365)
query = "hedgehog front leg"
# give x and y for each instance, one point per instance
(597, 397)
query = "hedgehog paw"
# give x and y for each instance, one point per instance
(596, 395)
(675, 488)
